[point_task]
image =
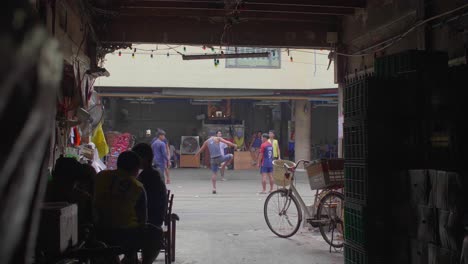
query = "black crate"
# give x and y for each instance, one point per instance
(356, 255)
(411, 61)
(424, 94)
(365, 141)
(433, 144)
(458, 78)
(355, 139)
(364, 227)
(369, 185)
(370, 98)
(445, 144)
(358, 187)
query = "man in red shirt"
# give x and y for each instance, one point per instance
(265, 162)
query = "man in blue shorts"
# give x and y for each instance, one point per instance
(265, 162)
(216, 157)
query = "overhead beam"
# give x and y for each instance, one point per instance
(324, 3)
(204, 32)
(247, 8)
(299, 17)
(247, 3)
(216, 12)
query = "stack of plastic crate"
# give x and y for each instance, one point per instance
(391, 125)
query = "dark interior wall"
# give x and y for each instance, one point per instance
(257, 118)
(177, 117)
(324, 122)
(382, 20)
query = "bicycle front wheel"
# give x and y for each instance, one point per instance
(283, 214)
(330, 213)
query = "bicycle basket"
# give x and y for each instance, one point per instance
(325, 173)
(279, 171)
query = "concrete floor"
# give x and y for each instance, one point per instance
(229, 227)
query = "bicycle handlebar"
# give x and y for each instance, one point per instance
(306, 162)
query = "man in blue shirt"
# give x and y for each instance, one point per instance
(160, 160)
(255, 146)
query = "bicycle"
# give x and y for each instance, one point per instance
(286, 205)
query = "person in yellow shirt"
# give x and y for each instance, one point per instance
(275, 144)
(239, 140)
(121, 210)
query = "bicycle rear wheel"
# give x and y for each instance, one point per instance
(330, 213)
(283, 214)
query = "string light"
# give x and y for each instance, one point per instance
(134, 50)
(291, 59)
(151, 55)
(212, 49)
(133, 55)
(120, 54)
(185, 49)
(167, 54)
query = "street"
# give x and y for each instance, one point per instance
(229, 227)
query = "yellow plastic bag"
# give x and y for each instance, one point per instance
(100, 141)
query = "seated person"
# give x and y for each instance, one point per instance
(121, 212)
(72, 182)
(156, 192)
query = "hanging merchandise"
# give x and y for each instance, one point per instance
(121, 143)
(77, 139)
(100, 141)
(89, 154)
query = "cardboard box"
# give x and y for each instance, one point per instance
(450, 228)
(189, 161)
(439, 255)
(418, 252)
(419, 187)
(243, 160)
(446, 190)
(58, 229)
(427, 224)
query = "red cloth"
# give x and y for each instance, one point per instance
(77, 136)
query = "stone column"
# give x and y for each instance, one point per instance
(302, 118)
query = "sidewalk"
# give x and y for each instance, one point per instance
(229, 227)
